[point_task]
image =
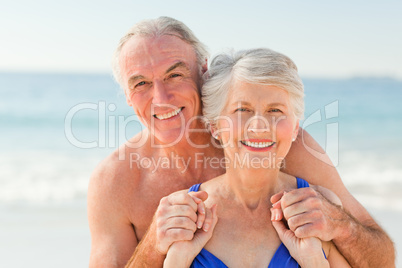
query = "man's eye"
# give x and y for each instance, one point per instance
(140, 84)
(174, 75)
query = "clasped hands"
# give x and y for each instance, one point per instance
(184, 224)
(303, 218)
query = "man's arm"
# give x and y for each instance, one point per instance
(145, 254)
(353, 231)
(113, 237)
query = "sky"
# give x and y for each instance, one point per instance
(326, 39)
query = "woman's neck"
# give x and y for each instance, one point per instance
(252, 187)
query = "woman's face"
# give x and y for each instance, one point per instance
(257, 125)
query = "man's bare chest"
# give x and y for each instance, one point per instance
(148, 193)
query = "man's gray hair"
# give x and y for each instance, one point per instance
(159, 27)
(256, 66)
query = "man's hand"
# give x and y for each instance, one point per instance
(309, 214)
(182, 253)
(178, 217)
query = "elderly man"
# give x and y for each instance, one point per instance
(159, 64)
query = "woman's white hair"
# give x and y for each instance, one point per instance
(159, 27)
(256, 66)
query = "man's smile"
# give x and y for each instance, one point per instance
(168, 115)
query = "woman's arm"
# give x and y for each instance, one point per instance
(334, 258)
(308, 252)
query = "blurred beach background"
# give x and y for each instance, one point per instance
(61, 112)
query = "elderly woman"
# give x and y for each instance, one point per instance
(252, 102)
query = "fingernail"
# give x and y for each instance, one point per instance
(275, 205)
(202, 210)
(206, 227)
(199, 225)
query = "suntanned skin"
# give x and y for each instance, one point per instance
(122, 199)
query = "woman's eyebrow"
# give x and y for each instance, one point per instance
(276, 104)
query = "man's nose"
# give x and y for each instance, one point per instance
(161, 93)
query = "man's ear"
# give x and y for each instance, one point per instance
(128, 100)
(204, 67)
(214, 131)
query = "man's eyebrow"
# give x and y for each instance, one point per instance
(177, 65)
(133, 79)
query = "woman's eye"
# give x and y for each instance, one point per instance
(241, 110)
(275, 110)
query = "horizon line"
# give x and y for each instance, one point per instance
(109, 73)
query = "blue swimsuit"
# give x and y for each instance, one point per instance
(281, 258)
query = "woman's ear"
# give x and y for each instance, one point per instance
(296, 131)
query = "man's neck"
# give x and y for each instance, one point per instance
(195, 156)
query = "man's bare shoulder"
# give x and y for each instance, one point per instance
(113, 212)
(116, 171)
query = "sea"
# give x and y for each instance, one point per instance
(55, 128)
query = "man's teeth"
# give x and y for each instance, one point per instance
(258, 144)
(168, 115)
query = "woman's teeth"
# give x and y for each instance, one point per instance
(258, 144)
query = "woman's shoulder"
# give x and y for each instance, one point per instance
(214, 188)
(212, 184)
(289, 181)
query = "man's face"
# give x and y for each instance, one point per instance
(161, 81)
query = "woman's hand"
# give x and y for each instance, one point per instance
(307, 252)
(182, 253)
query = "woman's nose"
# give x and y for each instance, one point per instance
(258, 124)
